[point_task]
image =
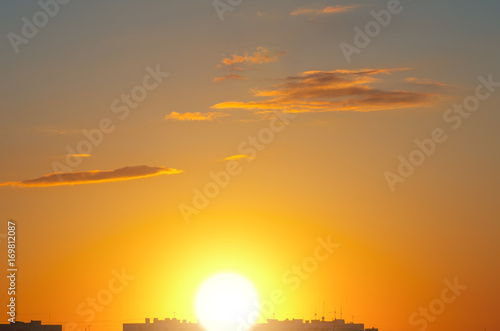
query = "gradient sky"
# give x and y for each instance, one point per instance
(323, 175)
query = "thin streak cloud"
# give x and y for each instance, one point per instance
(229, 77)
(238, 157)
(197, 116)
(324, 11)
(424, 82)
(94, 176)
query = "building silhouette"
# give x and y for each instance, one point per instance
(167, 324)
(309, 325)
(272, 325)
(31, 326)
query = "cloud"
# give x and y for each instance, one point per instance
(324, 11)
(260, 56)
(246, 61)
(424, 82)
(337, 90)
(79, 155)
(94, 176)
(238, 157)
(194, 116)
(230, 76)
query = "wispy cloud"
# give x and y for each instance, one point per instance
(197, 116)
(424, 82)
(330, 10)
(337, 90)
(230, 76)
(245, 61)
(79, 155)
(238, 157)
(93, 176)
(261, 55)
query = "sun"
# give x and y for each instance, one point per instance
(227, 302)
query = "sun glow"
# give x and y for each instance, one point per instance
(227, 302)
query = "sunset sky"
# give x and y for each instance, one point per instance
(172, 140)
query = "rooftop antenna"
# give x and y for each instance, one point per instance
(335, 313)
(315, 314)
(352, 319)
(323, 317)
(340, 312)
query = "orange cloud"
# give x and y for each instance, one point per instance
(93, 176)
(238, 157)
(80, 155)
(337, 90)
(261, 55)
(194, 116)
(424, 82)
(324, 11)
(231, 76)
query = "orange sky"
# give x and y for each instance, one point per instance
(232, 145)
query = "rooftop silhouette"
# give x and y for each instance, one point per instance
(175, 324)
(31, 326)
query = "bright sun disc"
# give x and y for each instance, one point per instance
(227, 302)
